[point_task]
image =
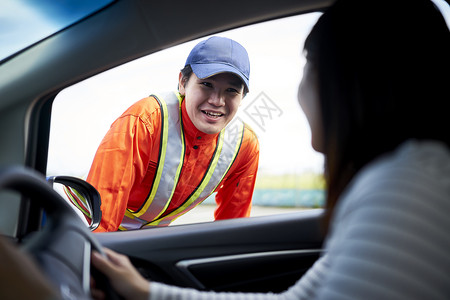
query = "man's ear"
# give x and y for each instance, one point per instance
(181, 83)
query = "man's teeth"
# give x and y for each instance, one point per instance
(213, 114)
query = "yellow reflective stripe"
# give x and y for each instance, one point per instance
(177, 174)
(129, 214)
(202, 185)
(162, 158)
(236, 150)
(73, 199)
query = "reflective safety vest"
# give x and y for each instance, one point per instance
(171, 157)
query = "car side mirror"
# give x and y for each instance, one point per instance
(85, 198)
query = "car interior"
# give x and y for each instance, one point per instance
(258, 254)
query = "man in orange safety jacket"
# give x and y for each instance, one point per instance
(168, 152)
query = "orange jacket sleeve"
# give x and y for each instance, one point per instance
(234, 196)
(119, 163)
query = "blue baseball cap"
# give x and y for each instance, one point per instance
(219, 55)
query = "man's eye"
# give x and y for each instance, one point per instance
(232, 90)
(207, 84)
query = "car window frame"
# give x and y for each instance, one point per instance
(231, 33)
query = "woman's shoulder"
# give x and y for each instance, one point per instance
(392, 223)
(415, 172)
(412, 160)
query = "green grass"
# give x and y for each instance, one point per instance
(305, 181)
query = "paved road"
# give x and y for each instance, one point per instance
(205, 213)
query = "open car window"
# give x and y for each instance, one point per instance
(290, 171)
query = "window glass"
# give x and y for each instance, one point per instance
(25, 22)
(290, 171)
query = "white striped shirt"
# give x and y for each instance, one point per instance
(389, 238)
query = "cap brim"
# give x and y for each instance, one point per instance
(203, 71)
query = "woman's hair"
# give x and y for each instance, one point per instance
(383, 73)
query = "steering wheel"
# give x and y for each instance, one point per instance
(63, 247)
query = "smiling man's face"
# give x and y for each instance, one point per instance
(211, 103)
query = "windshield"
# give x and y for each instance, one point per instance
(25, 22)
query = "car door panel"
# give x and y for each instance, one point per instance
(251, 254)
(270, 271)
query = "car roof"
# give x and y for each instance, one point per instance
(127, 30)
(25, 22)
